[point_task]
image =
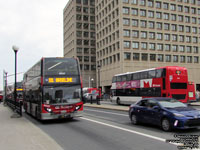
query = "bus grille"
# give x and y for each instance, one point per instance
(178, 96)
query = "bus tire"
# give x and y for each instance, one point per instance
(118, 101)
(36, 114)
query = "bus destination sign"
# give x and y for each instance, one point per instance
(60, 80)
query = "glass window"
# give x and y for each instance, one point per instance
(135, 45)
(196, 59)
(144, 56)
(126, 44)
(136, 56)
(175, 58)
(182, 59)
(135, 34)
(168, 58)
(160, 57)
(127, 56)
(152, 57)
(134, 11)
(143, 45)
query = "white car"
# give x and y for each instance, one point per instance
(88, 96)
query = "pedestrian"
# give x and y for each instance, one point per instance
(197, 95)
(91, 99)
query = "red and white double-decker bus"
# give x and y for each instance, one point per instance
(169, 81)
(53, 89)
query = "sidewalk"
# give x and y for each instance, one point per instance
(21, 134)
(121, 107)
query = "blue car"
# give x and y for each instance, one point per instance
(165, 112)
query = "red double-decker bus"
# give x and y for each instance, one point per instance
(53, 89)
(169, 81)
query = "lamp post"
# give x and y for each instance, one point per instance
(15, 49)
(99, 67)
(92, 80)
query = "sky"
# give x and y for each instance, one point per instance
(35, 27)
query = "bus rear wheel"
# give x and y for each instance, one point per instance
(118, 101)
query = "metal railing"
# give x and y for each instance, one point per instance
(18, 107)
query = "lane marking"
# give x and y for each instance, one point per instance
(128, 130)
(106, 112)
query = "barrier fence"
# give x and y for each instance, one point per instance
(18, 107)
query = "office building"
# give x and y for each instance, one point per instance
(79, 37)
(134, 35)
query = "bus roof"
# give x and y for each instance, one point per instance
(149, 70)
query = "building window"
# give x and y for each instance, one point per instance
(86, 58)
(181, 28)
(143, 34)
(126, 21)
(135, 45)
(167, 47)
(182, 48)
(174, 48)
(152, 46)
(173, 7)
(143, 13)
(182, 59)
(135, 34)
(136, 56)
(195, 39)
(180, 8)
(168, 58)
(126, 44)
(125, 10)
(151, 24)
(189, 59)
(158, 4)
(134, 2)
(152, 57)
(196, 49)
(175, 58)
(134, 11)
(143, 2)
(150, 3)
(143, 45)
(86, 67)
(159, 25)
(160, 57)
(127, 56)
(144, 56)
(79, 50)
(158, 15)
(151, 35)
(166, 26)
(160, 47)
(79, 42)
(80, 58)
(167, 37)
(165, 5)
(174, 37)
(127, 33)
(189, 49)
(196, 59)
(150, 14)
(86, 50)
(181, 38)
(188, 39)
(166, 16)
(180, 18)
(143, 23)
(134, 22)
(174, 27)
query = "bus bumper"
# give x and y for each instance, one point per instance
(50, 116)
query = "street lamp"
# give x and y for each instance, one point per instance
(15, 49)
(99, 67)
(92, 80)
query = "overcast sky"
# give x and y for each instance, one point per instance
(36, 27)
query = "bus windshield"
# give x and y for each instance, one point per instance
(60, 66)
(62, 94)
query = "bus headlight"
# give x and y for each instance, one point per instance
(48, 109)
(77, 107)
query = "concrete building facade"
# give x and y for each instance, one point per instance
(79, 37)
(133, 35)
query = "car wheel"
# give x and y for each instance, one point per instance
(166, 125)
(118, 101)
(134, 119)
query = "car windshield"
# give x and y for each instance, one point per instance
(171, 103)
(62, 94)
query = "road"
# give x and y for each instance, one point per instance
(101, 129)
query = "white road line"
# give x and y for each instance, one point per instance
(107, 112)
(128, 130)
